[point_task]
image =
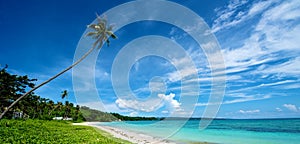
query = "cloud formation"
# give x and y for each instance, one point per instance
(279, 109)
(145, 106)
(170, 102)
(291, 107)
(233, 15)
(238, 100)
(269, 52)
(151, 105)
(249, 111)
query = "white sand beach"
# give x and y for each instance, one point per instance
(128, 135)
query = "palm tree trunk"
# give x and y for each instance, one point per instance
(47, 81)
(58, 105)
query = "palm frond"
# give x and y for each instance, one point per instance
(111, 34)
(91, 26)
(91, 34)
(104, 21)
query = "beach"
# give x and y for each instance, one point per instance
(131, 136)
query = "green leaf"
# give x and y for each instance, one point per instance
(111, 34)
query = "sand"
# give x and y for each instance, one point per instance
(133, 137)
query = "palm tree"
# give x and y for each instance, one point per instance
(51, 107)
(67, 109)
(101, 32)
(64, 94)
(58, 105)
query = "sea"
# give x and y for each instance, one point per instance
(223, 131)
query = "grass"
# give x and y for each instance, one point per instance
(41, 131)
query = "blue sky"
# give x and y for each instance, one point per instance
(258, 40)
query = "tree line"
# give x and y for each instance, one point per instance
(32, 106)
(96, 115)
(36, 107)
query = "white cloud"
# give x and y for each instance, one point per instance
(145, 106)
(281, 35)
(259, 7)
(224, 15)
(173, 31)
(279, 109)
(249, 111)
(151, 105)
(190, 65)
(164, 112)
(292, 86)
(287, 84)
(236, 3)
(170, 101)
(277, 83)
(250, 54)
(279, 27)
(291, 107)
(238, 100)
(245, 99)
(102, 106)
(232, 16)
(132, 114)
(106, 74)
(156, 85)
(275, 37)
(290, 67)
(287, 10)
(137, 66)
(181, 74)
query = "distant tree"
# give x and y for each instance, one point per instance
(32, 106)
(64, 94)
(58, 106)
(101, 33)
(67, 109)
(96, 115)
(77, 115)
(11, 88)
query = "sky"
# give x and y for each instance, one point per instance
(258, 40)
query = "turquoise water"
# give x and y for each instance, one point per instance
(264, 131)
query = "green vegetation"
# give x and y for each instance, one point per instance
(36, 107)
(129, 118)
(95, 115)
(32, 106)
(42, 131)
(30, 119)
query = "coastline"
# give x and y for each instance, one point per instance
(127, 135)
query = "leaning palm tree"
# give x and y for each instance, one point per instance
(101, 33)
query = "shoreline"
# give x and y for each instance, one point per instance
(130, 136)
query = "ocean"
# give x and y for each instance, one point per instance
(225, 131)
